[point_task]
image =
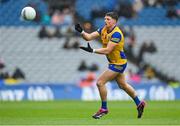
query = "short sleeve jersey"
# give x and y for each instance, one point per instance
(117, 56)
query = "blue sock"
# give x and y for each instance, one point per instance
(136, 100)
(104, 105)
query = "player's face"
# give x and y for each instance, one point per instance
(109, 21)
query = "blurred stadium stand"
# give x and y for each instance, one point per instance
(44, 60)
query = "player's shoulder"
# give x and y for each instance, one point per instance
(117, 29)
(99, 30)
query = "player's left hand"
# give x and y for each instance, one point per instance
(88, 48)
(78, 28)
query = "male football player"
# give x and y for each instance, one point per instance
(112, 46)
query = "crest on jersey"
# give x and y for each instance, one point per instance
(115, 39)
(118, 67)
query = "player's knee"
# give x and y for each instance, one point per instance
(99, 83)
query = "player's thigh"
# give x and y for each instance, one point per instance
(106, 76)
(120, 79)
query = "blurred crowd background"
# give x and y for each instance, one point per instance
(46, 50)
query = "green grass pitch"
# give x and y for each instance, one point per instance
(79, 113)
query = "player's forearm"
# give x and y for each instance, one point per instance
(103, 51)
(86, 36)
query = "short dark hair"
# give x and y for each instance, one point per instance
(113, 15)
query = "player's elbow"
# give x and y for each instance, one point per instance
(87, 39)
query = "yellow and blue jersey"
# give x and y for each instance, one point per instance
(117, 56)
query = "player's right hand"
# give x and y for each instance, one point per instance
(78, 28)
(88, 48)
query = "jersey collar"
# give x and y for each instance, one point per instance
(111, 30)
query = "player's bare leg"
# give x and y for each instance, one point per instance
(102, 80)
(120, 79)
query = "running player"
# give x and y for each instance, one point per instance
(113, 43)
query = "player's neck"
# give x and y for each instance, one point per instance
(109, 29)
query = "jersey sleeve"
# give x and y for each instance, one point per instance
(116, 37)
(99, 30)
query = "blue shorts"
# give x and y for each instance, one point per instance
(117, 68)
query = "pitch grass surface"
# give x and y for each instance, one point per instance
(79, 113)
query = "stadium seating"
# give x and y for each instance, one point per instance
(88, 5)
(45, 60)
(42, 60)
(148, 17)
(166, 58)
